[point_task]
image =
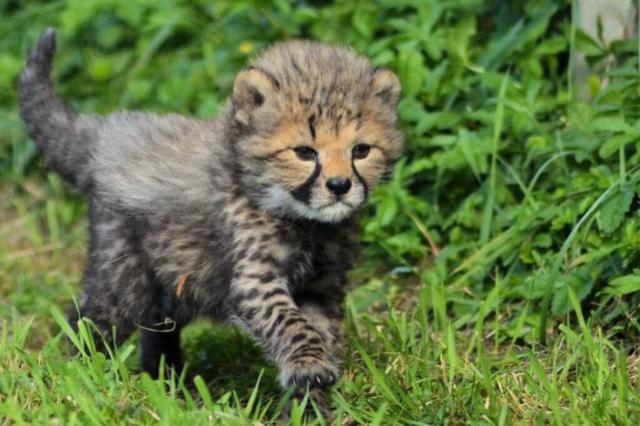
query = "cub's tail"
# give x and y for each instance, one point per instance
(57, 130)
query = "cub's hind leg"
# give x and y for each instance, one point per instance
(158, 342)
(119, 290)
(161, 338)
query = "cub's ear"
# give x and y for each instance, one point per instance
(385, 87)
(251, 89)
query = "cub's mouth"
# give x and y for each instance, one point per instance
(338, 203)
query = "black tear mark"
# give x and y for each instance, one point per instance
(361, 180)
(303, 192)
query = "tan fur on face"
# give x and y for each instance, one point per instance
(287, 169)
(334, 143)
(335, 149)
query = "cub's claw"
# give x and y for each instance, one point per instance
(306, 371)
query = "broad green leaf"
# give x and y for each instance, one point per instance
(587, 45)
(611, 213)
(612, 145)
(624, 285)
(412, 71)
(613, 124)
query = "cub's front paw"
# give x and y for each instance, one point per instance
(314, 371)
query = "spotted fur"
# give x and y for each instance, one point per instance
(245, 218)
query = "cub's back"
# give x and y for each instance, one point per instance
(150, 163)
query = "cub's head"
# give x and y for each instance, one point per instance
(316, 129)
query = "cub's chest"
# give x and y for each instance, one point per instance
(289, 250)
(300, 270)
(311, 257)
(275, 252)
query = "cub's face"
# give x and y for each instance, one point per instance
(316, 160)
(313, 170)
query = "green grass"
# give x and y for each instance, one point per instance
(407, 365)
(499, 282)
(406, 360)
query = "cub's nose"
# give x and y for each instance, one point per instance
(339, 185)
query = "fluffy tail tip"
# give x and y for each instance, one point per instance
(40, 58)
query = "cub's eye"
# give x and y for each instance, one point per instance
(360, 151)
(305, 153)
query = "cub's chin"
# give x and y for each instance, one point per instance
(335, 212)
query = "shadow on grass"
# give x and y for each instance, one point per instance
(227, 359)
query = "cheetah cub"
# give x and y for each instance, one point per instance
(245, 218)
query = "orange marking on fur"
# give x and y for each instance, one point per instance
(182, 280)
